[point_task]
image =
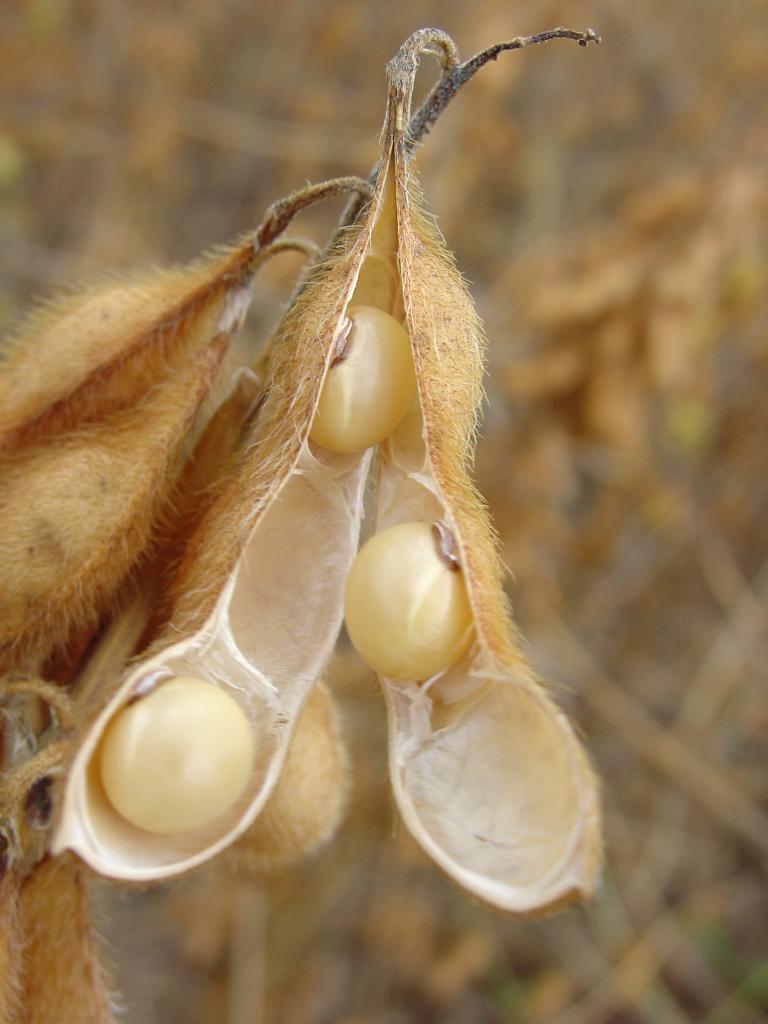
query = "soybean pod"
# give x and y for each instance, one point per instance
(487, 773)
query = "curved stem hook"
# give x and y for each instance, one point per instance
(401, 69)
(401, 72)
(281, 213)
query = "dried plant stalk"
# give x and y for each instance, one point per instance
(63, 978)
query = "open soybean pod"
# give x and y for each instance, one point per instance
(255, 609)
(487, 772)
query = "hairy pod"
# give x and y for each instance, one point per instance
(101, 395)
(63, 978)
(81, 357)
(254, 604)
(488, 775)
(381, 347)
(78, 511)
(11, 943)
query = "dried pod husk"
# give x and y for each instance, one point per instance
(256, 601)
(308, 802)
(77, 511)
(81, 357)
(487, 773)
(63, 977)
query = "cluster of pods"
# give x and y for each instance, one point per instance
(186, 715)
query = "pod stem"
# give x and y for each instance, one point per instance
(401, 72)
(263, 254)
(456, 74)
(25, 801)
(45, 762)
(58, 701)
(281, 213)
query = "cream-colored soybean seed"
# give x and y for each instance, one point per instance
(370, 385)
(406, 606)
(178, 758)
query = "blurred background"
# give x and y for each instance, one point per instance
(609, 208)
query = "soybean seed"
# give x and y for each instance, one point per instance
(406, 605)
(178, 758)
(370, 385)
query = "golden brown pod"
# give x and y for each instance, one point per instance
(11, 943)
(81, 357)
(100, 395)
(78, 510)
(63, 979)
(256, 601)
(487, 773)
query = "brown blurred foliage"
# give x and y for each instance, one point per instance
(609, 208)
